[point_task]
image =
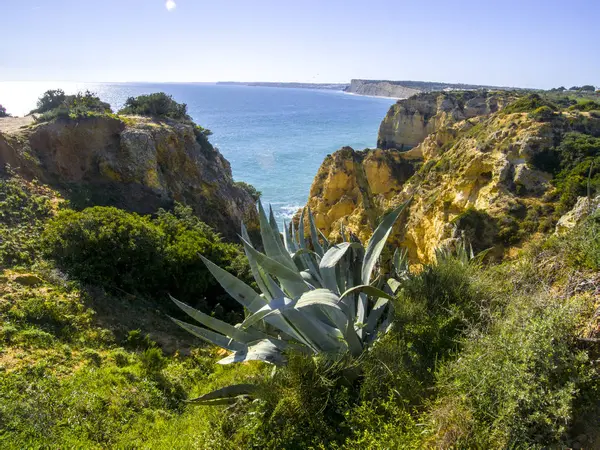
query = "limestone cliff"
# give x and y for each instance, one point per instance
(409, 121)
(477, 178)
(380, 89)
(136, 163)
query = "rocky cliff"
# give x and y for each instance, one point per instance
(480, 178)
(409, 121)
(380, 89)
(136, 163)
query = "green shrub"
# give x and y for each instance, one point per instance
(50, 100)
(108, 247)
(125, 252)
(543, 114)
(156, 105)
(254, 193)
(55, 104)
(518, 385)
(478, 228)
(24, 207)
(528, 103)
(586, 105)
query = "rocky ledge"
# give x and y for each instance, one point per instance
(136, 163)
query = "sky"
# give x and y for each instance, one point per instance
(525, 43)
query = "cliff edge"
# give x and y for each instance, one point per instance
(494, 178)
(136, 163)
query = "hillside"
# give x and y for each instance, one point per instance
(474, 325)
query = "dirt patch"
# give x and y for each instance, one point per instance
(11, 125)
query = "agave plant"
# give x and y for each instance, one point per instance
(316, 297)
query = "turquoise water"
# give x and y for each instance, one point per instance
(275, 138)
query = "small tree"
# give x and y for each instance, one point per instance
(156, 105)
(50, 100)
(3, 112)
(588, 88)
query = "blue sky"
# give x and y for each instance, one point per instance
(522, 43)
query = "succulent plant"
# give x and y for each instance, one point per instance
(316, 297)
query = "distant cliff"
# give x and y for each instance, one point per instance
(136, 163)
(409, 121)
(380, 89)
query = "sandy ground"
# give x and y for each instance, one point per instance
(11, 125)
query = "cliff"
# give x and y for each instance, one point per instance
(492, 178)
(409, 121)
(380, 89)
(136, 163)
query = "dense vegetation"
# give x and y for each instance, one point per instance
(479, 356)
(56, 104)
(156, 105)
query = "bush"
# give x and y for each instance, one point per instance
(24, 207)
(108, 247)
(528, 103)
(518, 385)
(50, 100)
(122, 251)
(156, 105)
(254, 193)
(55, 104)
(3, 112)
(543, 114)
(586, 105)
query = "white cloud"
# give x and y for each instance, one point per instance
(170, 5)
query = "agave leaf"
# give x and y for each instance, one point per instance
(259, 276)
(377, 242)
(226, 393)
(329, 262)
(314, 236)
(240, 291)
(301, 240)
(369, 290)
(274, 307)
(375, 314)
(291, 280)
(328, 304)
(272, 241)
(288, 239)
(224, 328)
(211, 337)
(326, 243)
(262, 351)
(393, 284)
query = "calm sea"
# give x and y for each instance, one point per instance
(275, 138)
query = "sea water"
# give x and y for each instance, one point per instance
(274, 138)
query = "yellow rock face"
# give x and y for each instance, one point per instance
(476, 170)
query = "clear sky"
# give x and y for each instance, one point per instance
(525, 43)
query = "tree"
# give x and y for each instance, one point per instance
(588, 88)
(51, 99)
(3, 112)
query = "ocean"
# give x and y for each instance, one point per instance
(274, 138)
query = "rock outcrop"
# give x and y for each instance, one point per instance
(135, 163)
(409, 121)
(380, 89)
(475, 178)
